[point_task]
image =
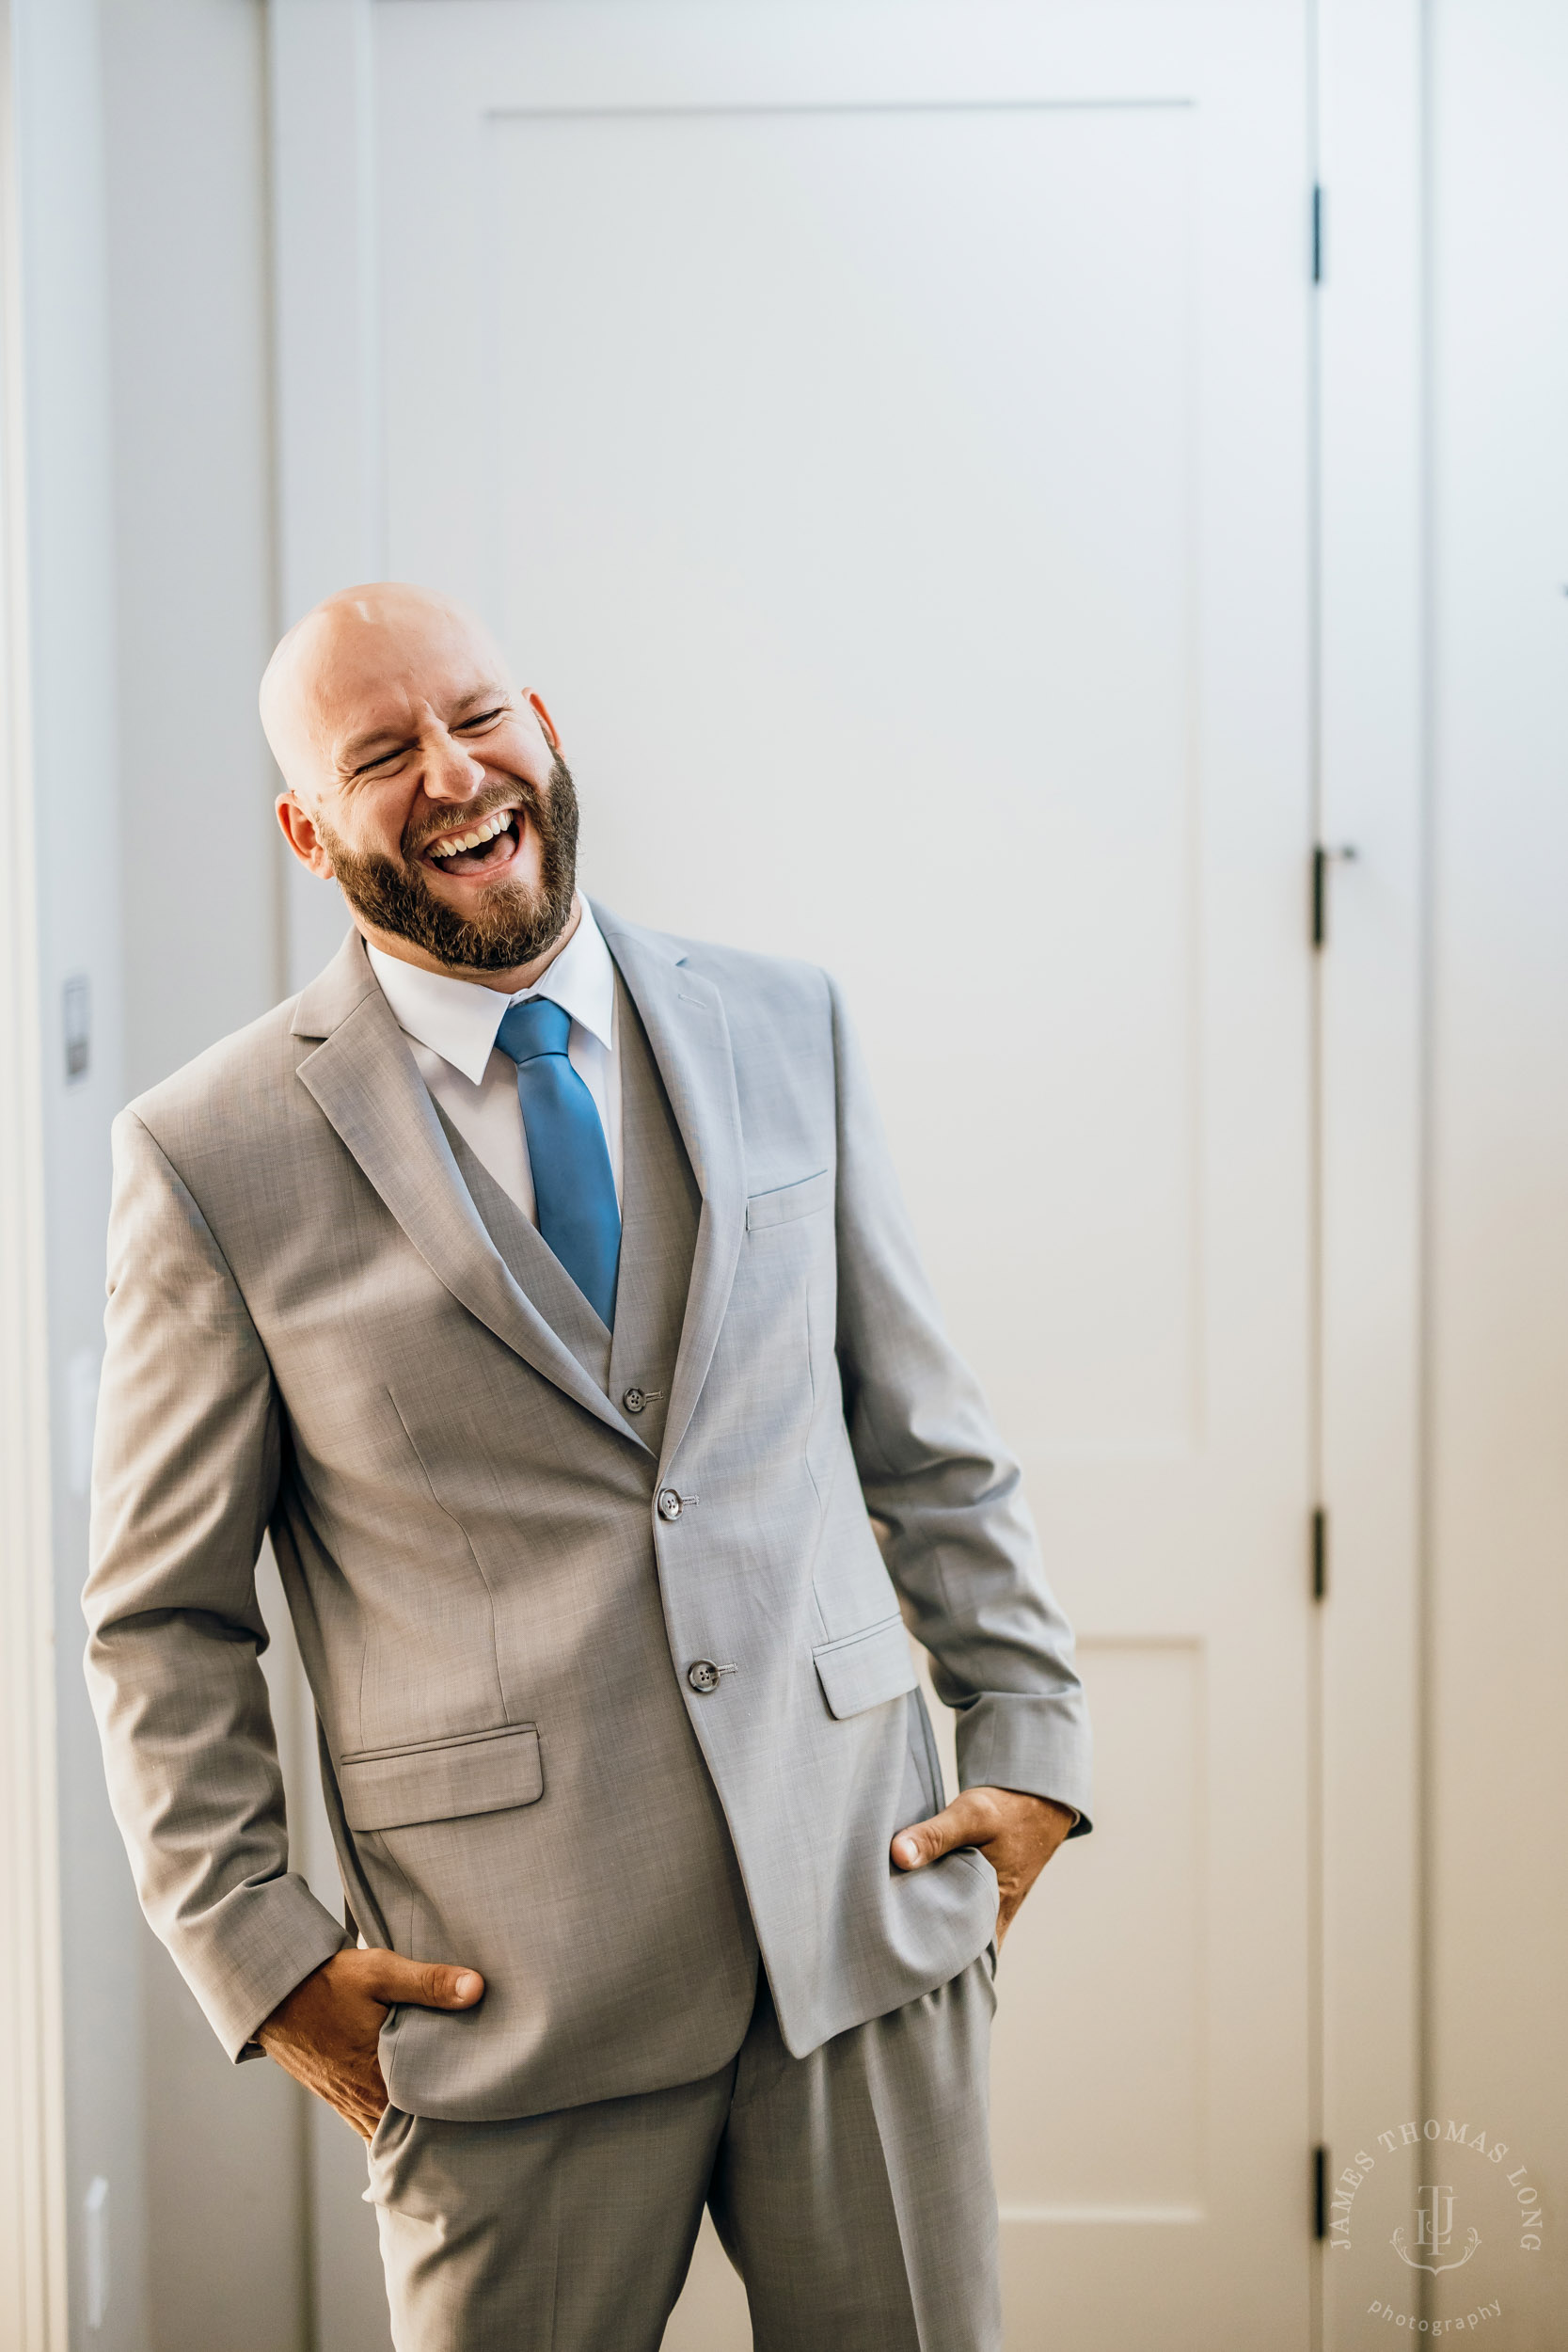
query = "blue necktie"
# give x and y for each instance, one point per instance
(573, 1182)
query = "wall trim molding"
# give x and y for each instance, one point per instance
(33, 2261)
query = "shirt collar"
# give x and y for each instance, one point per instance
(458, 1018)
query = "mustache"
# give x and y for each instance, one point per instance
(520, 793)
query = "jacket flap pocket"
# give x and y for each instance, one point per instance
(483, 1772)
(788, 1201)
(866, 1669)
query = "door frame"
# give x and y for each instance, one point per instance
(1371, 1054)
(1365, 80)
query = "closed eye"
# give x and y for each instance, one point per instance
(382, 759)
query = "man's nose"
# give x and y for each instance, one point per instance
(451, 772)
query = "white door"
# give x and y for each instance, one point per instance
(880, 431)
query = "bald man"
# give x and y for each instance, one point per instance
(540, 1284)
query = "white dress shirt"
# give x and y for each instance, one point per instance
(451, 1026)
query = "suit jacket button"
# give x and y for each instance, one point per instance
(669, 1506)
(634, 1400)
(703, 1675)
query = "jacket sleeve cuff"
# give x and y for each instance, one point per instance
(263, 1941)
(1038, 1745)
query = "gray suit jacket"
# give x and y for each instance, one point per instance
(501, 1587)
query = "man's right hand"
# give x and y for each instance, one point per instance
(325, 2033)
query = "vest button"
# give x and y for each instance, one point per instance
(703, 1675)
(670, 1508)
(634, 1400)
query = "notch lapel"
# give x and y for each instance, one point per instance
(684, 1017)
(367, 1085)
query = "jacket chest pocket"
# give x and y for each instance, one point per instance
(785, 1298)
(786, 1204)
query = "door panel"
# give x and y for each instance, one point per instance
(784, 454)
(1135, 2153)
(881, 433)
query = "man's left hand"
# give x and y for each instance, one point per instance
(1018, 1836)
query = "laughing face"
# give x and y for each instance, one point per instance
(423, 783)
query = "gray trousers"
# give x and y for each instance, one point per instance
(851, 2190)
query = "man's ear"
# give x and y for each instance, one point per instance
(536, 704)
(299, 831)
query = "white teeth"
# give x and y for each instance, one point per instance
(450, 844)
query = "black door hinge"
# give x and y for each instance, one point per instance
(1320, 2193)
(1320, 1554)
(1323, 858)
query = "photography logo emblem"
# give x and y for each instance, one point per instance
(1431, 2228)
(1433, 2246)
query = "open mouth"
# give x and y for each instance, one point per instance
(482, 849)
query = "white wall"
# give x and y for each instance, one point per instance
(1499, 1424)
(185, 124)
(185, 147)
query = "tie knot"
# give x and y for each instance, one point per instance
(537, 1027)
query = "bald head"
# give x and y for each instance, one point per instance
(364, 654)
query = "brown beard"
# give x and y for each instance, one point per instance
(513, 922)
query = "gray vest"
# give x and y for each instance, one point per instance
(660, 1206)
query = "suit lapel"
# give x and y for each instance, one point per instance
(684, 1017)
(367, 1084)
(662, 1204)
